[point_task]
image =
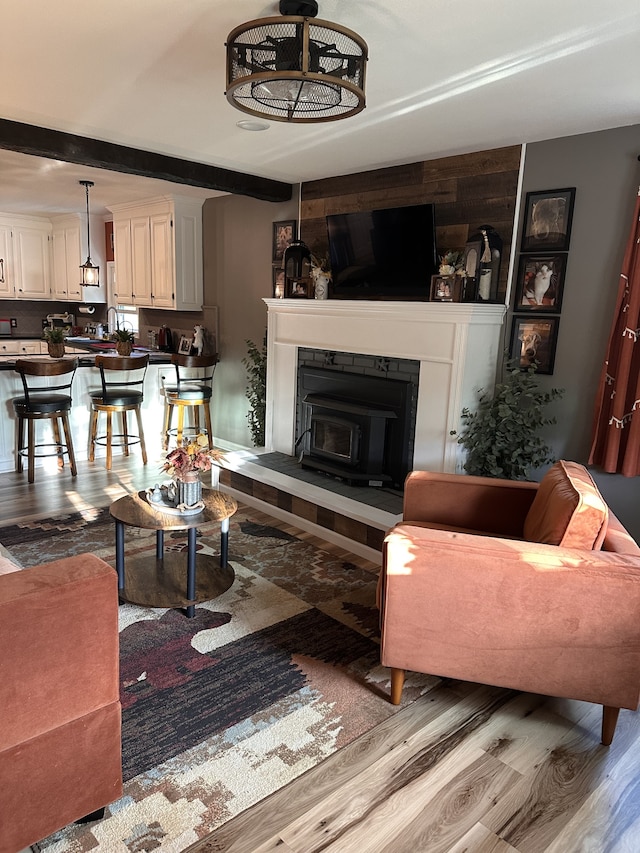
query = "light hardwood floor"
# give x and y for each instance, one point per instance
(465, 769)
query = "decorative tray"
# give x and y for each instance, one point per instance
(168, 505)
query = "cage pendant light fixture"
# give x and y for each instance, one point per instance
(296, 68)
(90, 273)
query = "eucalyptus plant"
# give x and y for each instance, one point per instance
(256, 363)
(501, 436)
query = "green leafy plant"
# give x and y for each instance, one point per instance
(54, 336)
(256, 363)
(501, 436)
(123, 335)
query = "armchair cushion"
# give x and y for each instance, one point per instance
(567, 510)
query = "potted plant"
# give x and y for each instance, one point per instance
(501, 435)
(55, 341)
(256, 364)
(124, 341)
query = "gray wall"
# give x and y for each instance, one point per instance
(604, 169)
(237, 276)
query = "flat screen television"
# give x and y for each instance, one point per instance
(383, 254)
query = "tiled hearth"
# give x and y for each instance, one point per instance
(357, 516)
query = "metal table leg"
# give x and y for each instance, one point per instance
(120, 553)
(159, 544)
(224, 543)
(191, 570)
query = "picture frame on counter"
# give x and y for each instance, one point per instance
(184, 347)
(533, 342)
(540, 283)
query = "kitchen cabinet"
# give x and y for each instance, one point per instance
(67, 254)
(25, 244)
(158, 253)
(68, 239)
(6, 287)
(17, 347)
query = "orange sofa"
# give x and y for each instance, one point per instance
(534, 587)
(60, 744)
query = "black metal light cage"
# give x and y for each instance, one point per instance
(296, 69)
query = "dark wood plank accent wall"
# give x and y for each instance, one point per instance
(468, 190)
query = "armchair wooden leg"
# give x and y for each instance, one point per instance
(397, 683)
(609, 720)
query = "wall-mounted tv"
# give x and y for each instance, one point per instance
(383, 254)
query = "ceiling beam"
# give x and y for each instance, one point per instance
(57, 145)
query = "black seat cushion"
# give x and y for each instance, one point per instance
(41, 404)
(190, 391)
(117, 397)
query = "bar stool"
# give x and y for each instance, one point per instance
(47, 396)
(122, 391)
(192, 390)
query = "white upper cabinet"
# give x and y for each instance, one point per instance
(67, 257)
(25, 243)
(158, 253)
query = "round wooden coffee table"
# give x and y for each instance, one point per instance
(166, 579)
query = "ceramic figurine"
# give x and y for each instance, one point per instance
(198, 339)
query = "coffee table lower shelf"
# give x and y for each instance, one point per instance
(151, 582)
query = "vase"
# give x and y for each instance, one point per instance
(56, 349)
(188, 488)
(124, 347)
(322, 287)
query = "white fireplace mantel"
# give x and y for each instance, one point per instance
(458, 346)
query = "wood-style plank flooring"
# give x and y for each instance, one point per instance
(465, 769)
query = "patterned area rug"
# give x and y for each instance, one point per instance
(221, 710)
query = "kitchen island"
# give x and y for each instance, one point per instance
(87, 378)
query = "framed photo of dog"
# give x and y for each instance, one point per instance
(547, 220)
(533, 342)
(540, 282)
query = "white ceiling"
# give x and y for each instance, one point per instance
(443, 78)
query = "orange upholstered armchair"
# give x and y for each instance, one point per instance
(60, 744)
(533, 587)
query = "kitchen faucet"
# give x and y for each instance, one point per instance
(117, 325)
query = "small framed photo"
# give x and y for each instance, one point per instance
(540, 283)
(278, 282)
(301, 288)
(283, 234)
(547, 220)
(533, 342)
(446, 288)
(184, 347)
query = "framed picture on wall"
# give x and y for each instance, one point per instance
(540, 283)
(283, 234)
(533, 341)
(547, 220)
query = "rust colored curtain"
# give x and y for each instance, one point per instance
(616, 435)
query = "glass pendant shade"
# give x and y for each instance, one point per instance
(295, 68)
(90, 272)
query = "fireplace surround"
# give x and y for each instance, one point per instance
(457, 346)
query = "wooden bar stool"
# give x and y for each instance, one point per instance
(47, 396)
(122, 391)
(191, 391)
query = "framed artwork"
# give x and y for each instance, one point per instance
(283, 234)
(540, 283)
(278, 282)
(184, 347)
(446, 288)
(301, 288)
(533, 341)
(547, 220)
